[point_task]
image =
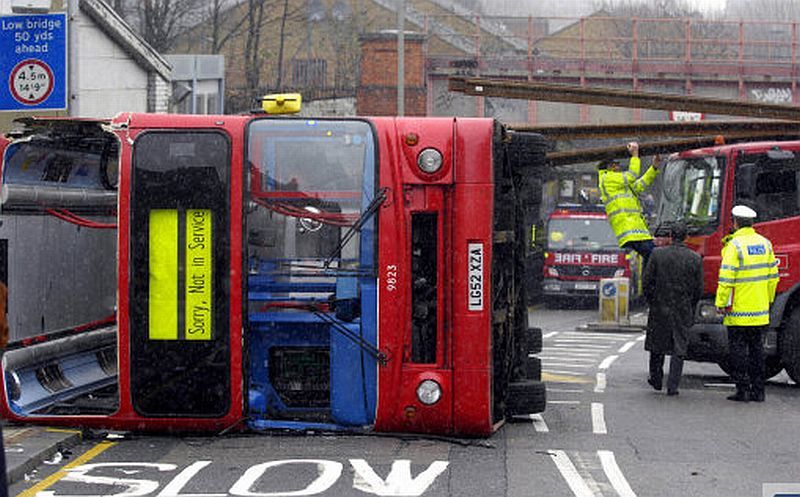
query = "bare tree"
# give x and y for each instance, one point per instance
(252, 49)
(225, 25)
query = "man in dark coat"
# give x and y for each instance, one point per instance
(673, 284)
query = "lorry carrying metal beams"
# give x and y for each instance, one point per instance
(180, 272)
(700, 187)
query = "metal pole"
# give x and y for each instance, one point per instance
(401, 58)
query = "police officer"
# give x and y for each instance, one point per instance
(748, 277)
(619, 191)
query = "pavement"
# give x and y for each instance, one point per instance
(27, 447)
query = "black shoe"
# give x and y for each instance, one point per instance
(739, 397)
(653, 383)
(755, 397)
(672, 392)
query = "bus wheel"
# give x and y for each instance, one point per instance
(526, 397)
(789, 345)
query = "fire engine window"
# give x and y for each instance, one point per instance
(770, 185)
(691, 192)
(179, 241)
(581, 234)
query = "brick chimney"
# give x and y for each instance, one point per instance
(376, 94)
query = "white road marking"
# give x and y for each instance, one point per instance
(614, 474)
(570, 352)
(600, 385)
(720, 385)
(568, 364)
(628, 346)
(551, 334)
(607, 362)
(641, 338)
(598, 336)
(598, 419)
(559, 371)
(565, 390)
(563, 401)
(580, 343)
(538, 422)
(576, 483)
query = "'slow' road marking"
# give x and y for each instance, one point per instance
(598, 419)
(61, 473)
(614, 474)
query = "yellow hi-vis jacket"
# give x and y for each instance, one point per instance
(748, 277)
(619, 191)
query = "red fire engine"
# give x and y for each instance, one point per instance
(700, 187)
(580, 250)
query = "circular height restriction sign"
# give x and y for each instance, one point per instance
(31, 82)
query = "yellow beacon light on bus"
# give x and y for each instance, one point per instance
(282, 103)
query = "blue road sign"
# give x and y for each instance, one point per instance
(33, 62)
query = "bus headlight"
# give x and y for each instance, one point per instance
(429, 160)
(429, 392)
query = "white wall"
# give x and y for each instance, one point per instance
(109, 80)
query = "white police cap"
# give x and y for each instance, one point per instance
(744, 212)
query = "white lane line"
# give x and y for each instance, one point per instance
(581, 343)
(563, 401)
(576, 483)
(598, 419)
(567, 358)
(571, 353)
(559, 371)
(720, 385)
(566, 365)
(565, 390)
(641, 338)
(595, 336)
(551, 334)
(614, 474)
(628, 346)
(600, 385)
(539, 424)
(607, 362)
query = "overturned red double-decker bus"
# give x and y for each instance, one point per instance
(177, 272)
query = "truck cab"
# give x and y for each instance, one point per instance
(700, 187)
(580, 250)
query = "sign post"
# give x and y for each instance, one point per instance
(33, 62)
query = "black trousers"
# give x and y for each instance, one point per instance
(675, 370)
(643, 247)
(746, 347)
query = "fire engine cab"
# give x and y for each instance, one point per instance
(580, 250)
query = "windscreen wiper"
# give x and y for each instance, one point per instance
(371, 209)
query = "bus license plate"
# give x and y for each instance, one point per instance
(475, 280)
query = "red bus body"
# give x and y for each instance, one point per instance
(271, 316)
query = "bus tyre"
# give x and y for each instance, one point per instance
(526, 397)
(789, 345)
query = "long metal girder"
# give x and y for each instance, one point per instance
(659, 129)
(577, 156)
(619, 98)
